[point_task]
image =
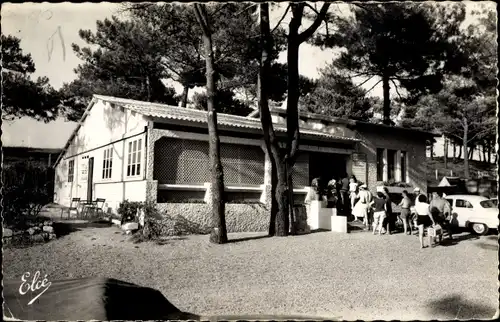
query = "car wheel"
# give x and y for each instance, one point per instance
(480, 229)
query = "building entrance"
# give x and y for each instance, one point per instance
(327, 166)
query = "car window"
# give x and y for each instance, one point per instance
(488, 204)
(463, 204)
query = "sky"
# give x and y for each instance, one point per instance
(47, 31)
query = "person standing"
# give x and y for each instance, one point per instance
(441, 211)
(389, 216)
(416, 193)
(424, 217)
(332, 196)
(379, 210)
(362, 207)
(344, 188)
(353, 190)
(405, 205)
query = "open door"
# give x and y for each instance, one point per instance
(90, 182)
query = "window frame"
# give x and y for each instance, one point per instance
(391, 164)
(380, 164)
(403, 166)
(134, 158)
(71, 170)
(467, 203)
(107, 164)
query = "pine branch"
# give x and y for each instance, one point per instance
(306, 34)
(366, 80)
(368, 91)
(396, 88)
(281, 19)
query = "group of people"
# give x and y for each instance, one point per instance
(351, 197)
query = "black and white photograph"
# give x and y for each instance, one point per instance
(223, 161)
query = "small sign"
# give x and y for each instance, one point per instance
(358, 159)
(84, 171)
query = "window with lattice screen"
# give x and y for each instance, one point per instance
(300, 170)
(179, 161)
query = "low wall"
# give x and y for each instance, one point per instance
(247, 217)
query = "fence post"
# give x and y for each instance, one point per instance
(437, 178)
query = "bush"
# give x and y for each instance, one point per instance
(129, 211)
(26, 189)
(393, 183)
(158, 225)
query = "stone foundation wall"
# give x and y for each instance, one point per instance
(239, 217)
(37, 231)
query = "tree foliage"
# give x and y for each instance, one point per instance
(132, 58)
(405, 45)
(125, 63)
(336, 95)
(225, 103)
(22, 96)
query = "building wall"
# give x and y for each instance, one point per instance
(414, 146)
(105, 128)
(239, 217)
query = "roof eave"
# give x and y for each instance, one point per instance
(73, 134)
(397, 128)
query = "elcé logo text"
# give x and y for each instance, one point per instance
(33, 285)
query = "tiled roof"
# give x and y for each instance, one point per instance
(186, 114)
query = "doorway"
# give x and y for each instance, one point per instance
(90, 182)
(327, 166)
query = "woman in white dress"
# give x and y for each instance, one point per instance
(361, 208)
(353, 190)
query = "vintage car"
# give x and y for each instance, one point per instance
(478, 213)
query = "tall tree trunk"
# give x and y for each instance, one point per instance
(265, 116)
(387, 99)
(490, 146)
(432, 151)
(466, 159)
(485, 158)
(471, 153)
(445, 152)
(218, 234)
(292, 109)
(454, 152)
(184, 96)
(460, 152)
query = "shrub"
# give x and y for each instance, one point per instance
(128, 210)
(26, 189)
(158, 225)
(393, 183)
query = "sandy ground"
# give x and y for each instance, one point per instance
(343, 276)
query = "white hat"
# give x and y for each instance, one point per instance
(416, 189)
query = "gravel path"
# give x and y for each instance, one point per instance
(351, 276)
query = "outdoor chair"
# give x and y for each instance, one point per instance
(75, 203)
(94, 207)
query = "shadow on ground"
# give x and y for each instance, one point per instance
(237, 240)
(66, 228)
(456, 307)
(457, 239)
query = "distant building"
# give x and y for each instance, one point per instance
(28, 139)
(141, 151)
